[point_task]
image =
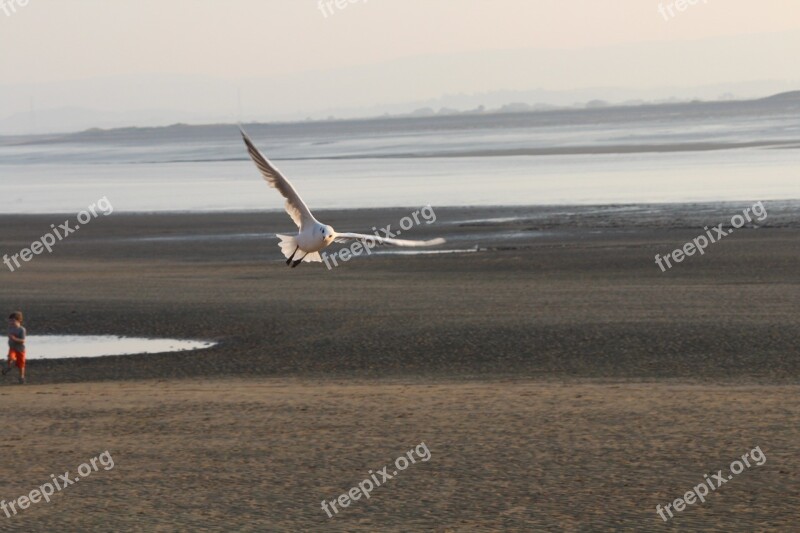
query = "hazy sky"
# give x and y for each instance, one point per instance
(60, 41)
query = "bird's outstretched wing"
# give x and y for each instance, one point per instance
(345, 237)
(295, 206)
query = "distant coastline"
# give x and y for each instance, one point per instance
(446, 115)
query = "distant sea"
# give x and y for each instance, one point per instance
(698, 152)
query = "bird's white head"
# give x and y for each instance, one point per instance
(327, 233)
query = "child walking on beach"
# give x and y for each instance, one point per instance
(16, 344)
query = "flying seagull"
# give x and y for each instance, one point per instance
(312, 235)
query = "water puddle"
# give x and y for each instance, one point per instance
(65, 346)
(426, 252)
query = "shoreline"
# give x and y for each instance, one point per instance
(783, 203)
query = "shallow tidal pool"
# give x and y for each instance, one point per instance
(67, 346)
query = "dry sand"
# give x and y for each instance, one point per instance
(260, 455)
(560, 380)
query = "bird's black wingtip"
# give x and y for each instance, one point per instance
(241, 130)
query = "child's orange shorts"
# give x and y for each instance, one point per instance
(18, 358)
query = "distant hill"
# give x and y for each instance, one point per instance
(430, 117)
(791, 95)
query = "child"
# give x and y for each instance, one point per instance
(16, 344)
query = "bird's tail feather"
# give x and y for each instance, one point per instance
(288, 246)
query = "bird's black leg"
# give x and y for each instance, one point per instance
(298, 261)
(292, 256)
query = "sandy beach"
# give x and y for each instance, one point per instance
(560, 380)
(261, 454)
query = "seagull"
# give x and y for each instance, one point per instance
(312, 235)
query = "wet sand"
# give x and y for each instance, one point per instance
(560, 379)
